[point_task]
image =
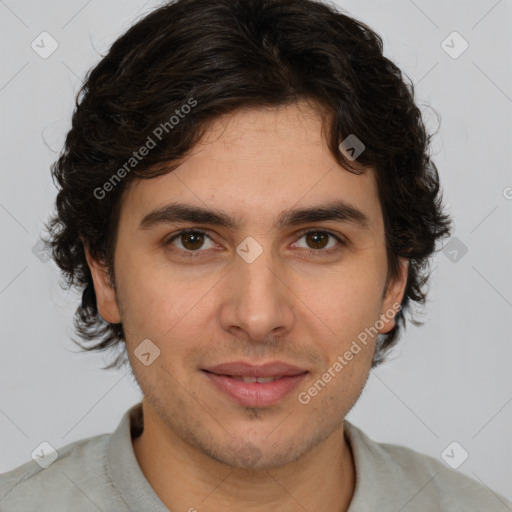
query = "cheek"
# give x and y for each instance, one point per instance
(167, 309)
(345, 302)
(153, 293)
(346, 333)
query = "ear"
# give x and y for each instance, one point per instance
(105, 292)
(392, 299)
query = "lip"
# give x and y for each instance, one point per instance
(241, 368)
(255, 394)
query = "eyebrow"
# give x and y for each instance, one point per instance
(179, 212)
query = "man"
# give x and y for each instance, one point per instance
(247, 202)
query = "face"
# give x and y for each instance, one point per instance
(258, 282)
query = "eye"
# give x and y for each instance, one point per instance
(321, 241)
(191, 240)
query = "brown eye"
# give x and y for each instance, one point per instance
(192, 241)
(317, 239)
(320, 242)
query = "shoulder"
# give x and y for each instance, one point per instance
(409, 480)
(78, 473)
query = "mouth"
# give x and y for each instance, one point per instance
(255, 386)
(261, 380)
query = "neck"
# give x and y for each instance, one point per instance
(185, 478)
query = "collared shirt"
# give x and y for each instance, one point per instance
(101, 473)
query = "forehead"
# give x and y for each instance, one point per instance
(257, 163)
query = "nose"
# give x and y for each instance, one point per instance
(257, 300)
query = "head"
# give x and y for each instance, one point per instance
(240, 108)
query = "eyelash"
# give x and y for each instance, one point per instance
(311, 252)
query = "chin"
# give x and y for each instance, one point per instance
(259, 454)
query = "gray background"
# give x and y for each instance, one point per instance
(450, 380)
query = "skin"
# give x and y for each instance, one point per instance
(200, 449)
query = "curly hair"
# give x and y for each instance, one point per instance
(219, 56)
